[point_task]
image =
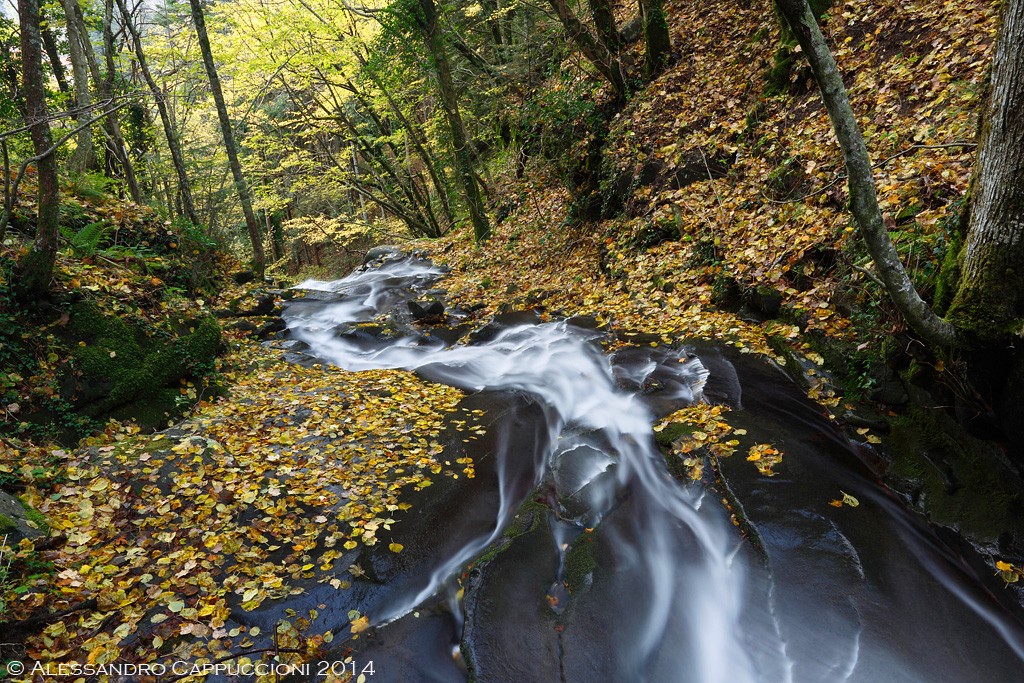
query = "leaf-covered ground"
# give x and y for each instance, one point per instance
(772, 220)
(168, 534)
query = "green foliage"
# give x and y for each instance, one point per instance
(86, 242)
(89, 186)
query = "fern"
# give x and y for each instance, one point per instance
(92, 186)
(86, 241)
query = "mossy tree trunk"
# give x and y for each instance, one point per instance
(241, 186)
(657, 43)
(990, 297)
(36, 267)
(449, 102)
(593, 48)
(604, 21)
(863, 198)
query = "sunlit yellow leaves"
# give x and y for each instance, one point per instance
(395, 547)
(1010, 573)
(847, 500)
(360, 624)
(765, 457)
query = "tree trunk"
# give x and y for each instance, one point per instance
(113, 126)
(177, 158)
(259, 262)
(990, 298)
(604, 21)
(449, 102)
(36, 267)
(863, 200)
(84, 156)
(9, 71)
(596, 52)
(657, 44)
(53, 54)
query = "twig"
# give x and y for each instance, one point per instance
(883, 162)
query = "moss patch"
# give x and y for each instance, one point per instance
(671, 433)
(7, 524)
(956, 477)
(34, 516)
(580, 562)
(121, 365)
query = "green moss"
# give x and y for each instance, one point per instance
(667, 436)
(956, 476)
(580, 562)
(777, 79)
(525, 520)
(7, 524)
(34, 516)
(122, 366)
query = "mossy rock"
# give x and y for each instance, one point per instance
(580, 562)
(672, 432)
(956, 479)
(35, 517)
(126, 373)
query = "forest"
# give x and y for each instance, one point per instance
(512, 340)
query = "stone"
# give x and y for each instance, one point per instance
(15, 522)
(384, 252)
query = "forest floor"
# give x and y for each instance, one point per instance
(732, 228)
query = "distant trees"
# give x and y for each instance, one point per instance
(241, 186)
(427, 21)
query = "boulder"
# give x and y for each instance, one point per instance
(18, 521)
(384, 252)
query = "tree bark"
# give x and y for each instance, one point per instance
(53, 54)
(449, 102)
(84, 157)
(863, 199)
(604, 21)
(657, 43)
(596, 52)
(990, 297)
(242, 188)
(36, 267)
(113, 126)
(177, 158)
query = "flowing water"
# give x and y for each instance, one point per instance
(670, 591)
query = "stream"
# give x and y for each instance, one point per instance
(590, 561)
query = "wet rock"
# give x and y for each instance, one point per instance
(503, 322)
(384, 252)
(584, 478)
(271, 327)
(243, 276)
(430, 313)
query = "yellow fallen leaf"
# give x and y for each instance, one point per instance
(361, 624)
(395, 547)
